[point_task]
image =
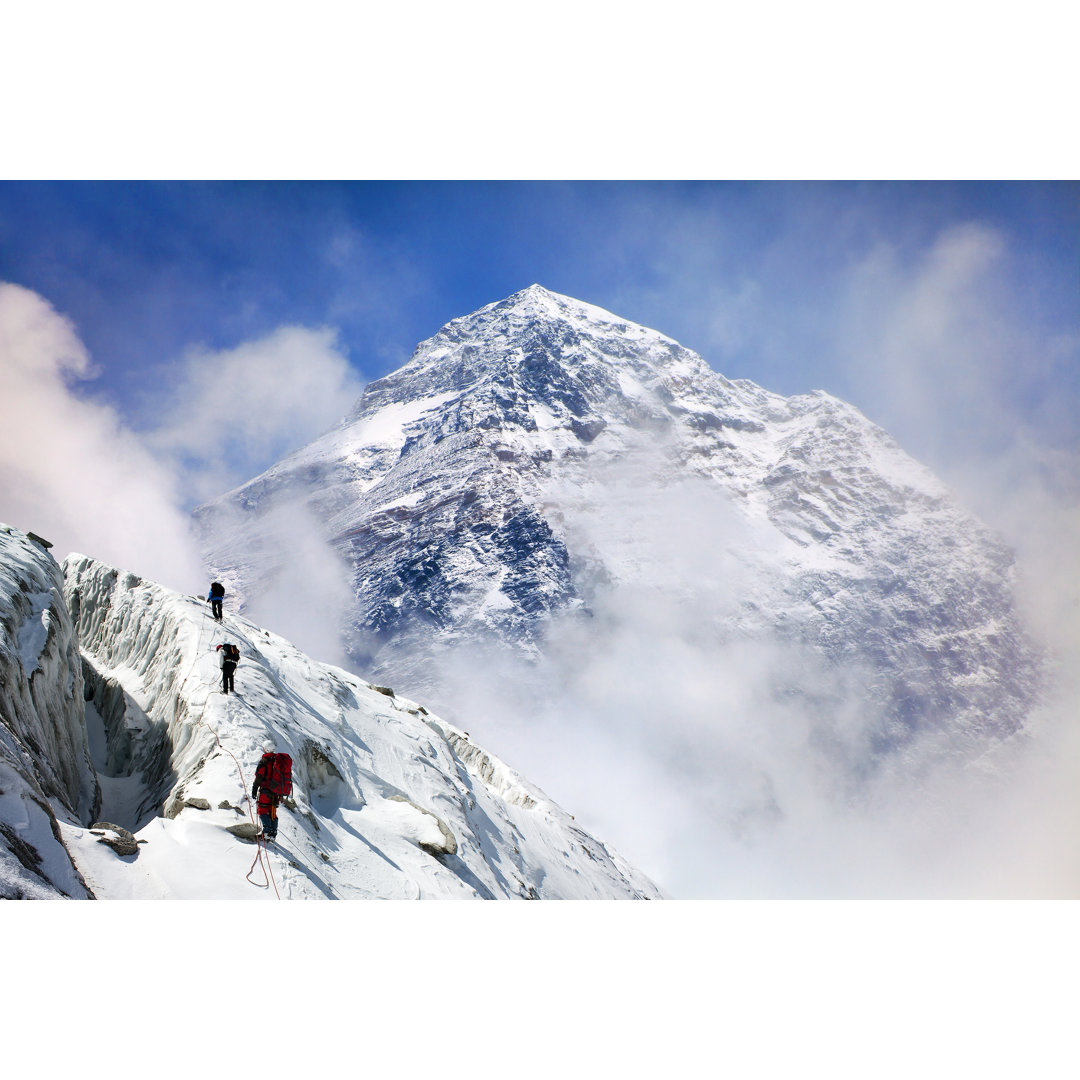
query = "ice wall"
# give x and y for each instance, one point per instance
(45, 767)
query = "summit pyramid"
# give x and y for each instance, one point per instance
(540, 455)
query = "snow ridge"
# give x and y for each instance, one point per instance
(125, 771)
(384, 806)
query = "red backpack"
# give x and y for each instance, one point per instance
(275, 774)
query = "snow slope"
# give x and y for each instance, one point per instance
(389, 801)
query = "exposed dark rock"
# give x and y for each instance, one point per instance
(587, 430)
(116, 837)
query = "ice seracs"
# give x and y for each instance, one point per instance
(45, 772)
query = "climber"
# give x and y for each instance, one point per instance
(217, 594)
(273, 782)
(230, 657)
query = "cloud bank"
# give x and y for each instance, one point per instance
(69, 468)
(947, 348)
(950, 349)
(224, 416)
(726, 762)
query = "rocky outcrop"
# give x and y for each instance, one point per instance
(118, 838)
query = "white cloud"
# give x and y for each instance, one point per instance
(72, 471)
(926, 341)
(69, 469)
(225, 416)
(726, 762)
(308, 596)
(949, 350)
(951, 356)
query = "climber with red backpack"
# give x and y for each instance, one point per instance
(273, 782)
(230, 657)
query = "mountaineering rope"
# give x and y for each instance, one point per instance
(268, 873)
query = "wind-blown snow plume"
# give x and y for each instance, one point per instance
(305, 591)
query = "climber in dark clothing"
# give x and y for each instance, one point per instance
(230, 657)
(217, 594)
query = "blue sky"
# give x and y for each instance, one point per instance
(750, 275)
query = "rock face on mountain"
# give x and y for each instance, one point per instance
(45, 766)
(503, 477)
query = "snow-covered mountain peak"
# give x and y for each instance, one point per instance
(539, 304)
(537, 456)
(550, 347)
